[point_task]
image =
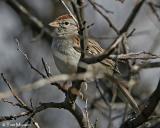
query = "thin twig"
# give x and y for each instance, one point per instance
(103, 8)
(82, 25)
(68, 9)
(39, 72)
(46, 68)
(35, 123)
(139, 55)
(34, 20)
(102, 95)
(13, 117)
(149, 65)
(132, 16)
(57, 78)
(11, 103)
(26, 57)
(104, 16)
(22, 104)
(145, 65)
(107, 104)
(152, 7)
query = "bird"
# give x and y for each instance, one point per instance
(66, 45)
(65, 48)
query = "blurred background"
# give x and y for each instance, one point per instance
(37, 46)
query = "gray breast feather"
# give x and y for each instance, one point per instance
(65, 56)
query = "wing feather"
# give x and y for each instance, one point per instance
(93, 49)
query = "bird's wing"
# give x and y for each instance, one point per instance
(93, 48)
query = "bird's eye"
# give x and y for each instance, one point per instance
(66, 23)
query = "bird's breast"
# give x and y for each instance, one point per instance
(65, 56)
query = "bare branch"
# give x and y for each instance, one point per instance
(103, 8)
(104, 16)
(13, 117)
(35, 69)
(148, 108)
(132, 16)
(150, 65)
(63, 77)
(152, 7)
(139, 55)
(46, 68)
(26, 57)
(34, 20)
(21, 103)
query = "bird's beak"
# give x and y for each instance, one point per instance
(54, 24)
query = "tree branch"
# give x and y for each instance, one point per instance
(148, 108)
(34, 20)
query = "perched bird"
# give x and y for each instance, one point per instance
(66, 55)
(66, 44)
